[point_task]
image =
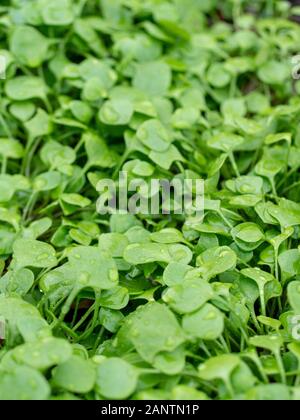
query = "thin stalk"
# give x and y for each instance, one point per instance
(28, 205)
(4, 165)
(224, 218)
(84, 318)
(62, 325)
(280, 366)
(254, 319)
(225, 345)
(94, 321)
(234, 164)
(121, 163)
(274, 191)
(286, 177)
(82, 173)
(194, 356)
(6, 127)
(75, 312)
(98, 340)
(291, 187)
(262, 302)
(67, 306)
(229, 388)
(81, 6)
(180, 166)
(233, 87)
(261, 371)
(31, 151)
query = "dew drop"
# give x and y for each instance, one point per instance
(211, 315)
(170, 342)
(110, 114)
(135, 333)
(84, 278)
(113, 275)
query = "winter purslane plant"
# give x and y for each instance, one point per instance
(149, 306)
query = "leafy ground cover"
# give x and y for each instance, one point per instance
(149, 307)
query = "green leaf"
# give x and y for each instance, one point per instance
(57, 12)
(29, 46)
(47, 181)
(23, 111)
(289, 262)
(218, 76)
(272, 342)
(116, 379)
(115, 298)
(23, 383)
(147, 80)
(167, 158)
(22, 88)
(216, 261)
(170, 363)
(75, 375)
(226, 142)
(167, 236)
(10, 148)
(97, 151)
(207, 323)
(55, 155)
(32, 253)
(43, 354)
(274, 72)
(19, 282)
(152, 252)
(294, 296)
(14, 309)
(270, 392)
(188, 296)
(116, 112)
(154, 329)
(39, 125)
(219, 367)
(154, 135)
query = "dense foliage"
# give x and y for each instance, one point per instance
(149, 307)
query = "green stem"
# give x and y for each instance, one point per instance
(84, 318)
(274, 189)
(81, 7)
(225, 344)
(262, 302)
(82, 173)
(205, 349)
(229, 387)
(261, 371)
(291, 187)
(67, 306)
(6, 127)
(180, 166)
(224, 218)
(4, 165)
(120, 164)
(280, 367)
(28, 205)
(98, 340)
(94, 322)
(30, 155)
(75, 312)
(286, 177)
(254, 319)
(234, 164)
(233, 87)
(62, 325)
